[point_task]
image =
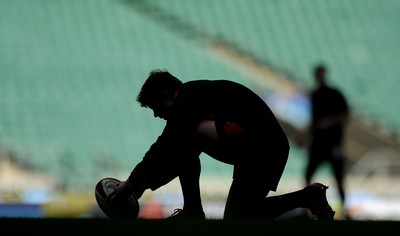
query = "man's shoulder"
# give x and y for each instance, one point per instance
(211, 83)
(331, 90)
(337, 92)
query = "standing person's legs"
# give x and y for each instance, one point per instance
(337, 161)
(338, 172)
(315, 158)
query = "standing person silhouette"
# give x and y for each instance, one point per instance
(329, 116)
(230, 123)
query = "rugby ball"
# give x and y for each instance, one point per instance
(129, 209)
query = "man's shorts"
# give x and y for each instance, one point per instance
(259, 155)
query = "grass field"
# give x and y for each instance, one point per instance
(195, 227)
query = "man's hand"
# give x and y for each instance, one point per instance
(120, 195)
(126, 189)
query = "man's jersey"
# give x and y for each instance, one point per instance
(220, 100)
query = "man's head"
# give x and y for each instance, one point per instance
(158, 92)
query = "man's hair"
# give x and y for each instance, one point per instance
(157, 84)
(320, 68)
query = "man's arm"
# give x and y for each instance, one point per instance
(341, 118)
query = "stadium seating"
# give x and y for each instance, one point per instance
(70, 70)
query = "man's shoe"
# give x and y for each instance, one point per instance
(182, 214)
(316, 202)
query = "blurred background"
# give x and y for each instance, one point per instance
(70, 72)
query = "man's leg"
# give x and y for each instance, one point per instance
(189, 175)
(244, 202)
(337, 161)
(190, 184)
(315, 157)
(248, 200)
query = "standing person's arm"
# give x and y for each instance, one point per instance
(340, 117)
(327, 122)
